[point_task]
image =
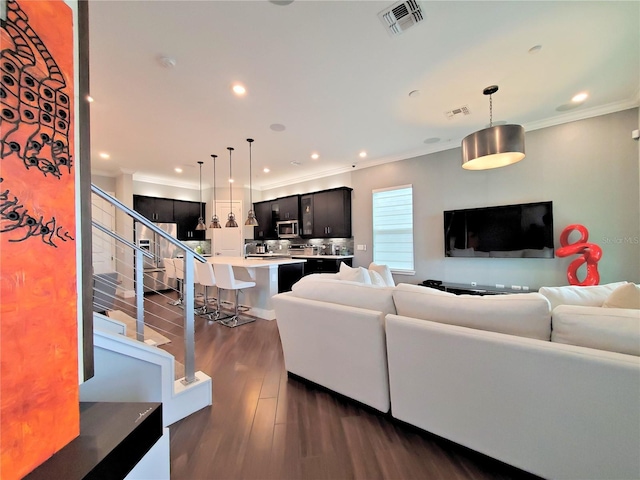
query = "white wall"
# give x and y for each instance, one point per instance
(589, 169)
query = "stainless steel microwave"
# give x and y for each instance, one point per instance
(287, 229)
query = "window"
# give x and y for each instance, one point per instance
(393, 228)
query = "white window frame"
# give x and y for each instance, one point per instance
(382, 249)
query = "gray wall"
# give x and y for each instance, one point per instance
(589, 169)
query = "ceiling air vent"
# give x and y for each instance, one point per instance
(458, 112)
(400, 16)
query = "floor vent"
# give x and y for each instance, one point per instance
(458, 112)
(401, 16)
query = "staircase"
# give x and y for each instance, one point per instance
(138, 336)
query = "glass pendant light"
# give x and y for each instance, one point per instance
(493, 147)
(231, 220)
(215, 222)
(201, 226)
(251, 216)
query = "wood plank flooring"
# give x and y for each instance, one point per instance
(266, 425)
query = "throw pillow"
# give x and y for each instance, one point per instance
(626, 296)
(358, 274)
(376, 279)
(575, 295)
(385, 273)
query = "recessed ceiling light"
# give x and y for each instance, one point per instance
(178, 170)
(277, 127)
(362, 154)
(281, 3)
(535, 49)
(105, 155)
(580, 97)
(231, 180)
(266, 170)
(239, 89)
(89, 99)
(414, 93)
(315, 156)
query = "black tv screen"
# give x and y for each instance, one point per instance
(508, 231)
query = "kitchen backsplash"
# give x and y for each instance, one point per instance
(345, 244)
(204, 244)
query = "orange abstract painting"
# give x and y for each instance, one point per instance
(39, 410)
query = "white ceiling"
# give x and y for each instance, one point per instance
(330, 73)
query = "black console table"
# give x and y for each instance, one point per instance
(466, 289)
(113, 438)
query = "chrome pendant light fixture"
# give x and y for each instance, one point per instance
(493, 147)
(231, 220)
(215, 222)
(251, 216)
(201, 225)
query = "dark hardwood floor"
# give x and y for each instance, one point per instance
(266, 425)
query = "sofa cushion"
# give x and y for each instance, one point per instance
(523, 314)
(357, 274)
(625, 296)
(385, 273)
(576, 295)
(376, 279)
(611, 329)
(343, 292)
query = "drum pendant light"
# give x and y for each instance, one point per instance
(215, 222)
(493, 147)
(231, 219)
(251, 216)
(201, 226)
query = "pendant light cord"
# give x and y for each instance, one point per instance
(490, 110)
(230, 183)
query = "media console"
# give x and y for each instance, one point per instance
(466, 289)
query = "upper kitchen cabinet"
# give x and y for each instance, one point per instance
(327, 214)
(271, 211)
(266, 229)
(286, 208)
(186, 215)
(155, 209)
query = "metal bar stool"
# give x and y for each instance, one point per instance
(206, 277)
(226, 280)
(179, 266)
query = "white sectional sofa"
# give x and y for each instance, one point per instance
(484, 372)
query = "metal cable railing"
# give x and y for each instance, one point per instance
(120, 277)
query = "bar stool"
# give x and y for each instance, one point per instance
(226, 280)
(206, 278)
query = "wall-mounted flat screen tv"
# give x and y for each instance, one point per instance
(507, 231)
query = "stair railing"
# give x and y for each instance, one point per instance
(140, 254)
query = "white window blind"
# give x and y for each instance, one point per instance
(393, 227)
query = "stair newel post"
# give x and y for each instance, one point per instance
(189, 323)
(139, 280)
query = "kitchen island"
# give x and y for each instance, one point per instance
(263, 270)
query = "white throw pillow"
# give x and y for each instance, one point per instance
(611, 329)
(575, 295)
(358, 274)
(385, 273)
(376, 279)
(625, 296)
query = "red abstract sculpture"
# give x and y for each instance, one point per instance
(591, 254)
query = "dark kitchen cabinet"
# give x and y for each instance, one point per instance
(325, 265)
(269, 212)
(155, 209)
(186, 215)
(266, 229)
(327, 214)
(286, 208)
(288, 275)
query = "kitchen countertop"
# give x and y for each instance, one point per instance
(254, 262)
(297, 255)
